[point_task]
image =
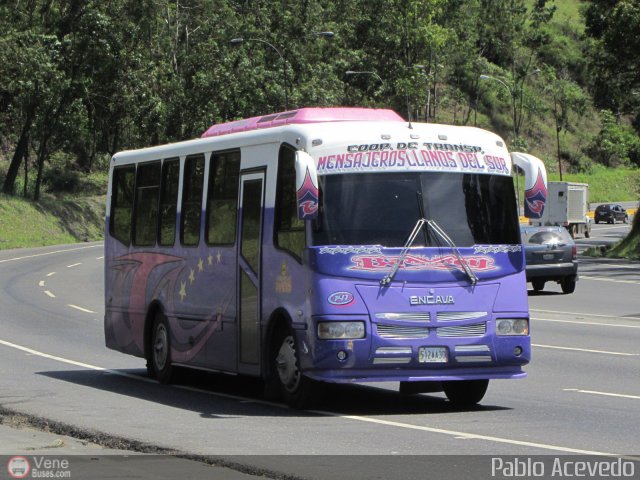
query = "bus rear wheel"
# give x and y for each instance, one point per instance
(159, 355)
(295, 388)
(465, 393)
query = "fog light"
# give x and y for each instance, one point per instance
(517, 351)
(342, 355)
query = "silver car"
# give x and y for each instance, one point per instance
(551, 255)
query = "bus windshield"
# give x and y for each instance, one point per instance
(382, 209)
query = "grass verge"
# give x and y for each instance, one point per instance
(51, 221)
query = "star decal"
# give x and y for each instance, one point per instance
(183, 290)
(201, 265)
(210, 260)
(192, 276)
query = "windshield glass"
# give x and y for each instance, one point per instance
(382, 208)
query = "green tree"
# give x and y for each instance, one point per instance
(615, 54)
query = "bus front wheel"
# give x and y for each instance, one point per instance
(295, 388)
(465, 393)
(159, 356)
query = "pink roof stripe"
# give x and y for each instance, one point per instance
(304, 115)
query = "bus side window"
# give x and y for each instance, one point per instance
(146, 204)
(169, 202)
(289, 229)
(122, 203)
(192, 199)
(222, 201)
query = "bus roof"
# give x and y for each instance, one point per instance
(304, 115)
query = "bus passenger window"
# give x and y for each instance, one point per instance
(289, 229)
(222, 201)
(192, 199)
(146, 208)
(169, 202)
(122, 203)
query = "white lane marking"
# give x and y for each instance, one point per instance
(73, 362)
(582, 314)
(100, 258)
(41, 283)
(465, 435)
(597, 324)
(74, 265)
(50, 274)
(586, 350)
(607, 394)
(49, 294)
(614, 265)
(80, 308)
(49, 253)
(612, 280)
(409, 426)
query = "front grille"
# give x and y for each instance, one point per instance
(410, 317)
(397, 331)
(475, 330)
(451, 316)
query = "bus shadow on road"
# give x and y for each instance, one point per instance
(214, 395)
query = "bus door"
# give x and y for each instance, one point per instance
(250, 271)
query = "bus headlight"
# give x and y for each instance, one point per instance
(340, 330)
(512, 326)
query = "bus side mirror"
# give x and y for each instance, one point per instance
(535, 183)
(306, 186)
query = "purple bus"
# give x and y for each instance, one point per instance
(323, 245)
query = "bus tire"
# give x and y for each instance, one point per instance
(465, 393)
(159, 356)
(295, 389)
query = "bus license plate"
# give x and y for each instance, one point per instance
(433, 355)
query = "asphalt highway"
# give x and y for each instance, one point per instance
(581, 396)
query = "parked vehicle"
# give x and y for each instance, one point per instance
(610, 212)
(550, 255)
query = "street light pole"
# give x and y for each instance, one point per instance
(353, 72)
(513, 102)
(239, 40)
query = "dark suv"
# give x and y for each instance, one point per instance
(610, 212)
(550, 256)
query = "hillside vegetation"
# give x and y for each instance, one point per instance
(82, 79)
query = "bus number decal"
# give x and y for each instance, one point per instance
(341, 299)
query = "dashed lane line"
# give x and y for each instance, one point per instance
(80, 308)
(606, 394)
(49, 294)
(50, 274)
(388, 423)
(74, 265)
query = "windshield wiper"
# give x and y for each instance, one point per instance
(441, 233)
(412, 238)
(463, 261)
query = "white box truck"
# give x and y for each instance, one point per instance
(567, 205)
